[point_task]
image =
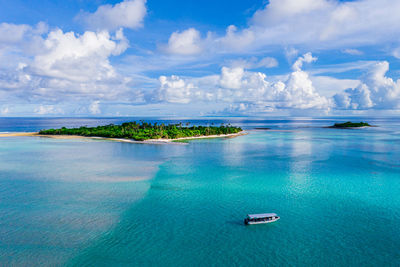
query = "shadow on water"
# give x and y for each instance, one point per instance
(236, 222)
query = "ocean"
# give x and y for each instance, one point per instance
(80, 202)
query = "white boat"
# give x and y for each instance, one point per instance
(261, 218)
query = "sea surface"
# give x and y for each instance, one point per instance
(81, 202)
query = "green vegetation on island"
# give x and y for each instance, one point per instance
(350, 124)
(144, 131)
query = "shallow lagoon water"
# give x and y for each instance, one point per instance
(77, 203)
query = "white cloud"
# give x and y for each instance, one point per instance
(48, 110)
(306, 58)
(94, 108)
(174, 90)
(235, 40)
(318, 24)
(4, 110)
(11, 33)
(247, 89)
(79, 58)
(396, 53)
(17, 39)
(328, 86)
(300, 92)
(343, 67)
(291, 53)
(358, 98)
(279, 11)
(231, 77)
(254, 63)
(353, 52)
(127, 14)
(375, 91)
(63, 67)
(267, 62)
(187, 42)
(248, 109)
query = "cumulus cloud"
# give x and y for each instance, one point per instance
(64, 66)
(94, 107)
(357, 98)
(127, 14)
(187, 42)
(300, 93)
(231, 77)
(375, 91)
(247, 90)
(328, 86)
(79, 58)
(306, 58)
(174, 90)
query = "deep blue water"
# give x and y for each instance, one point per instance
(100, 203)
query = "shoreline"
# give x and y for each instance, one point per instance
(149, 141)
(10, 134)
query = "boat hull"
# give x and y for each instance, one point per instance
(248, 222)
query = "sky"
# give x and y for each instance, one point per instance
(199, 58)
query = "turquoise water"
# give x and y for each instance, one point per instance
(99, 203)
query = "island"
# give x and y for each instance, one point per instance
(144, 131)
(350, 124)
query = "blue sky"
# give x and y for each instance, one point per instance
(199, 58)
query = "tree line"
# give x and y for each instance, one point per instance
(143, 131)
(350, 124)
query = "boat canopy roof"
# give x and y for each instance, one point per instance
(261, 215)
